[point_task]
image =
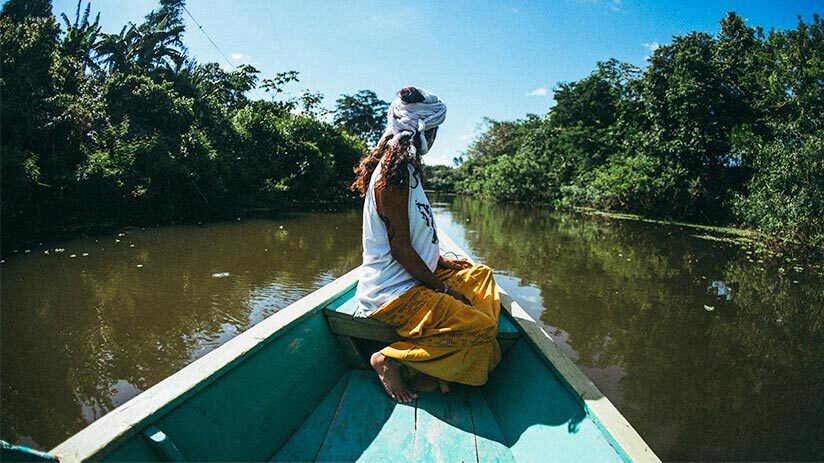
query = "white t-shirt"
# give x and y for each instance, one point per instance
(381, 277)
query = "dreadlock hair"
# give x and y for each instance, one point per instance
(396, 156)
(395, 160)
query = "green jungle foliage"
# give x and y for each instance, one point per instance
(723, 130)
(127, 127)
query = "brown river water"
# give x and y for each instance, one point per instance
(710, 350)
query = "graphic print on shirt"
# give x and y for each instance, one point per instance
(428, 218)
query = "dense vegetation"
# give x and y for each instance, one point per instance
(127, 127)
(725, 130)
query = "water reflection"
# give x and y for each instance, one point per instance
(720, 289)
(82, 335)
(626, 300)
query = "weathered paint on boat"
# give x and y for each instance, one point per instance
(10, 453)
(289, 389)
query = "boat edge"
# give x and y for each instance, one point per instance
(99, 437)
(623, 437)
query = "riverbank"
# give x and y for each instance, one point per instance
(24, 241)
(760, 244)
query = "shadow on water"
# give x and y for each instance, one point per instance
(82, 335)
(710, 352)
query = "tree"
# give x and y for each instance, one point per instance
(81, 36)
(362, 115)
(785, 194)
(715, 129)
(28, 33)
(155, 44)
(127, 127)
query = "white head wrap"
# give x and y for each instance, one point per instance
(408, 119)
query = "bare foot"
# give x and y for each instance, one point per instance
(390, 376)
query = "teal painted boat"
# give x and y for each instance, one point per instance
(296, 387)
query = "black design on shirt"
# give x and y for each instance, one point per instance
(426, 213)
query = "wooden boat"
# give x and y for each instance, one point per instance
(296, 387)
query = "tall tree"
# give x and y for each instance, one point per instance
(362, 114)
(81, 36)
(155, 44)
(28, 33)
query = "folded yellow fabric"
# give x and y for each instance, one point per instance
(441, 336)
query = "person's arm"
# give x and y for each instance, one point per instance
(457, 263)
(393, 209)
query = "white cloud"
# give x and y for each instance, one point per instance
(651, 46)
(616, 6)
(468, 136)
(538, 92)
(237, 56)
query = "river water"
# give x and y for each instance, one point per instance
(711, 351)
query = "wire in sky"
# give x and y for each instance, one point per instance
(275, 33)
(228, 61)
(207, 36)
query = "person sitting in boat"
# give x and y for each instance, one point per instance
(444, 310)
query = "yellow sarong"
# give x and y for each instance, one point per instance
(443, 337)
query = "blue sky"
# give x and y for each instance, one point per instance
(498, 59)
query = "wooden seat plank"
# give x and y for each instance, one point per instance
(342, 321)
